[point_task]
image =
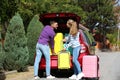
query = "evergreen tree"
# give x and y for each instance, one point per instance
(33, 32)
(15, 45)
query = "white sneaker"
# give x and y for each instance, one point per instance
(50, 77)
(79, 76)
(73, 77)
(36, 78)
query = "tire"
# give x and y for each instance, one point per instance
(91, 78)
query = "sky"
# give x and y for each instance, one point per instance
(119, 2)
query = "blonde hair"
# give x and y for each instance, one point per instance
(73, 27)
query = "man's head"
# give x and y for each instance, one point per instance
(54, 24)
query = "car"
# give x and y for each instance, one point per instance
(86, 39)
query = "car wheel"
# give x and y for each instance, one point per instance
(91, 78)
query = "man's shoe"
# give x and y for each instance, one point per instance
(50, 77)
(73, 77)
(36, 78)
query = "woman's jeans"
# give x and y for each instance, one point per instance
(77, 67)
(42, 49)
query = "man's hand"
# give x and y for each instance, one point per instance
(53, 52)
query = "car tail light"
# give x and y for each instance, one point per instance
(83, 48)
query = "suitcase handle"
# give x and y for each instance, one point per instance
(64, 51)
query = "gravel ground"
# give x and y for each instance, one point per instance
(20, 76)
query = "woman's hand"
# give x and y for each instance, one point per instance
(64, 40)
(64, 49)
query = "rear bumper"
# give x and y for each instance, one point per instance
(54, 62)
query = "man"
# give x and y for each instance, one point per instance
(42, 48)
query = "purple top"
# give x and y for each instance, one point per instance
(47, 36)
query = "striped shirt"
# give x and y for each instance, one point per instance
(72, 41)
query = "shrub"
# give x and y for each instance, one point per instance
(33, 32)
(15, 45)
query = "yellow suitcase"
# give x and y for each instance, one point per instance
(58, 42)
(64, 60)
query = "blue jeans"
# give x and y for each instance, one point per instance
(76, 64)
(45, 50)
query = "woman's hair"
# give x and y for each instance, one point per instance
(73, 27)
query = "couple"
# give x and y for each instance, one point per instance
(46, 37)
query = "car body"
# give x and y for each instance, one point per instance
(62, 18)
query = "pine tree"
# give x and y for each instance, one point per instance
(33, 32)
(15, 45)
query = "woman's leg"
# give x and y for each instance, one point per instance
(37, 59)
(75, 60)
(75, 69)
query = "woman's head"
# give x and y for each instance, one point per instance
(73, 27)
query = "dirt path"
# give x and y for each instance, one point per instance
(21, 75)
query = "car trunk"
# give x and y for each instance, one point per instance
(61, 18)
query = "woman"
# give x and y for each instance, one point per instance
(42, 48)
(73, 41)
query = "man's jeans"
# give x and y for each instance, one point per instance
(77, 67)
(42, 49)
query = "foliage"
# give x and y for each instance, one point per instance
(113, 36)
(7, 9)
(28, 8)
(15, 45)
(100, 11)
(91, 11)
(33, 32)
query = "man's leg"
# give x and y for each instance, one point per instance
(37, 59)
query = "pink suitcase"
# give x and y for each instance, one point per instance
(90, 66)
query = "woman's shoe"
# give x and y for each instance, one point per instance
(73, 77)
(79, 76)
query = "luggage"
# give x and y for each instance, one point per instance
(58, 43)
(64, 60)
(90, 66)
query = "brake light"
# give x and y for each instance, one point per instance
(83, 48)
